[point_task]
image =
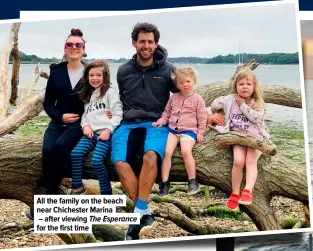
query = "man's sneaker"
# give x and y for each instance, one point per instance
(132, 232)
(82, 191)
(63, 190)
(193, 187)
(164, 188)
(146, 224)
(30, 213)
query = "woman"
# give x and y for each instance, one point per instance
(65, 109)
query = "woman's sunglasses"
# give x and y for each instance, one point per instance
(77, 45)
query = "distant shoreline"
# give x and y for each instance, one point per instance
(234, 59)
(48, 63)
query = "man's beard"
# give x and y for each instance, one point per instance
(144, 58)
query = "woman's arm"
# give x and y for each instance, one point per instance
(50, 100)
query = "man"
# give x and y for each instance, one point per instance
(144, 84)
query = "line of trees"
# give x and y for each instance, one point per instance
(271, 58)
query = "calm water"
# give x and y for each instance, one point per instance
(285, 75)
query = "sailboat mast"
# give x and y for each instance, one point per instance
(239, 52)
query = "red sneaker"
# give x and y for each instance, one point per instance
(246, 197)
(232, 203)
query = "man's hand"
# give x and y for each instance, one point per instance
(88, 132)
(215, 118)
(200, 138)
(211, 127)
(70, 118)
(218, 119)
(105, 135)
(155, 124)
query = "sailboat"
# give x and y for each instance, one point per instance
(240, 58)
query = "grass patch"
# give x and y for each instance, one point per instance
(289, 141)
(223, 212)
(34, 127)
(289, 223)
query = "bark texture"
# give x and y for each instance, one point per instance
(20, 168)
(4, 69)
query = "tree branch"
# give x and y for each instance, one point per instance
(238, 138)
(4, 69)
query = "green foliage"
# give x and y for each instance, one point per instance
(289, 223)
(223, 212)
(34, 127)
(34, 59)
(271, 58)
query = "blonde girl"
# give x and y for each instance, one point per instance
(244, 112)
(185, 114)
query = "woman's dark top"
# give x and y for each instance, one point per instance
(60, 98)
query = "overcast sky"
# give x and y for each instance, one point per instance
(201, 33)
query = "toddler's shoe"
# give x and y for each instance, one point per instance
(232, 203)
(246, 197)
(63, 190)
(164, 188)
(193, 187)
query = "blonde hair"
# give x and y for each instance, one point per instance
(257, 93)
(187, 71)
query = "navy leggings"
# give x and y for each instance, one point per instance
(101, 149)
(58, 143)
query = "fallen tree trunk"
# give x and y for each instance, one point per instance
(20, 161)
(233, 138)
(273, 94)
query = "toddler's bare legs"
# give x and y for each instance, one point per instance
(171, 144)
(251, 167)
(239, 153)
(186, 151)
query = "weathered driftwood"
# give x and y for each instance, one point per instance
(4, 69)
(15, 71)
(20, 168)
(233, 138)
(28, 107)
(191, 226)
(274, 94)
(252, 65)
